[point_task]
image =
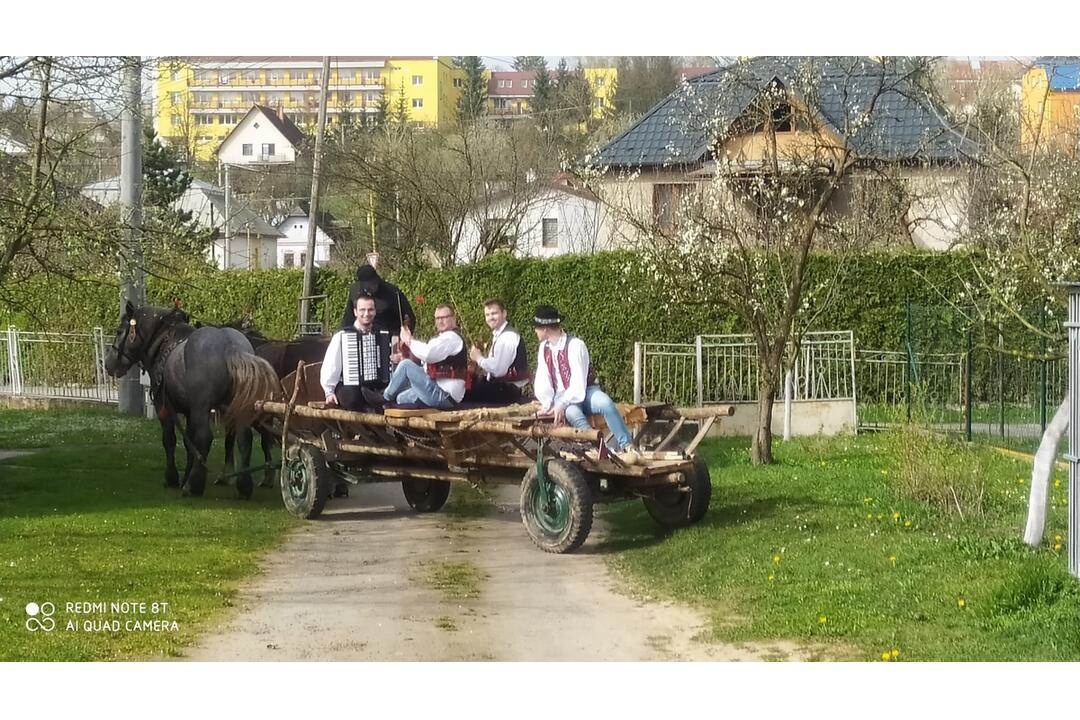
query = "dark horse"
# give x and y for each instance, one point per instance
(193, 371)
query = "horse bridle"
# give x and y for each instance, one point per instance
(121, 350)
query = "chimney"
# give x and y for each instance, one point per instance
(281, 113)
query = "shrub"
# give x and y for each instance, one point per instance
(943, 472)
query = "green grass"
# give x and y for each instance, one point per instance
(87, 519)
(820, 548)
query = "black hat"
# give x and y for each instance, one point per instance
(546, 316)
(368, 279)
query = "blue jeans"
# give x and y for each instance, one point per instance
(597, 402)
(420, 389)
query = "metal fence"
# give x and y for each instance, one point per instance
(56, 365)
(725, 369)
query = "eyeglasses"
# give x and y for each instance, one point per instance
(443, 317)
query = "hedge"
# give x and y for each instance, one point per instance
(606, 299)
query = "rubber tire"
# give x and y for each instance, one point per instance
(673, 509)
(308, 498)
(573, 490)
(425, 495)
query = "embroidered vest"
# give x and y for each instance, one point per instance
(564, 366)
(454, 367)
(519, 369)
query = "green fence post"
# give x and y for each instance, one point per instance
(1042, 371)
(968, 365)
(910, 360)
(1001, 381)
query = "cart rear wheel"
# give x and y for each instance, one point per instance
(558, 521)
(425, 495)
(306, 482)
(677, 507)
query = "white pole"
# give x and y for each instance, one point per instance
(637, 373)
(313, 206)
(227, 240)
(788, 380)
(132, 284)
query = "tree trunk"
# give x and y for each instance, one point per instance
(761, 445)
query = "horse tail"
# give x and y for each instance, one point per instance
(252, 379)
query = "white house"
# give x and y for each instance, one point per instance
(253, 243)
(556, 218)
(8, 146)
(263, 136)
(292, 247)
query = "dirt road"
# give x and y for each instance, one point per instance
(375, 581)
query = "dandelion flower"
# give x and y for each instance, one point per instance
(896, 516)
(771, 578)
(869, 516)
(822, 619)
(961, 602)
(1057, 547)
(907, 523)
(776, 559)
(892, 559)
(895, 652)
(886, 655)
(884, 472)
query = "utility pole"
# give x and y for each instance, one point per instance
(227, 239)
(132, 284)
(313, 206)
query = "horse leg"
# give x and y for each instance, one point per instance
(168, 440)
(244, 484)
(230, 443)
(202, 438)
(267, 440)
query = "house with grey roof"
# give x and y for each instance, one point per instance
(874, 114)
(249, 241)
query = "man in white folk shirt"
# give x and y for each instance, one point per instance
(566, 387)
(440, 381)
(504, 370)
(363, 395)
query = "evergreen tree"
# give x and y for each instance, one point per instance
(524, 63)
(400, 113)
(164, 180)
(643, 82)
(543, 100)
(472, 103)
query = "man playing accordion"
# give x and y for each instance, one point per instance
(357, 363)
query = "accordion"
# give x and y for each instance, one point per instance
(365, 358)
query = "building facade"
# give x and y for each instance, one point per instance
(199, 100)
(1050, 104)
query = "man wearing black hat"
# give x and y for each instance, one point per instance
(391, 305)
(565, 385)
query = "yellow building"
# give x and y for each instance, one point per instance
(199, 100)
(603, 82)
(1050, 103)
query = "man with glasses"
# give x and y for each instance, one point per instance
(438, 379)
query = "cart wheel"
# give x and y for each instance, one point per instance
(676, 508)
(306, 482)
(425, 495)
(559, 523)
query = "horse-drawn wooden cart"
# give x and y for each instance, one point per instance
(562, 470)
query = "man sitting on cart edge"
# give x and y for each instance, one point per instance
(565, 385)
(363, 394)
(440, 381)
(504, 370)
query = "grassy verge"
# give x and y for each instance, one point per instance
(87, 520)
(824, 548)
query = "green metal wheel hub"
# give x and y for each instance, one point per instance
(298, 478)
(552, 513)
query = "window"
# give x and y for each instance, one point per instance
(204, 119)
(245, 149)
(502, 83)
(174, 98)
(267, 149)
(667, 198)
(204, 77)
(524, 83)
(459, 82)
(344, 98)
(600, 82)
(550, 233)
(175, 120)
(303, 259)
(498, 232)
(287, 260)
(600, 103)
(274, 77)
(226, 77)
(229, 119)
(417, 103)
(371, 77)
(174, 74)
(417, 79)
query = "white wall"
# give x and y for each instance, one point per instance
(231, 150)
(583, 226)
(246, 253)
(295, 230)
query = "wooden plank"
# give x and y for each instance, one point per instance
(701, 433)
(395, 412)
(354, 448)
